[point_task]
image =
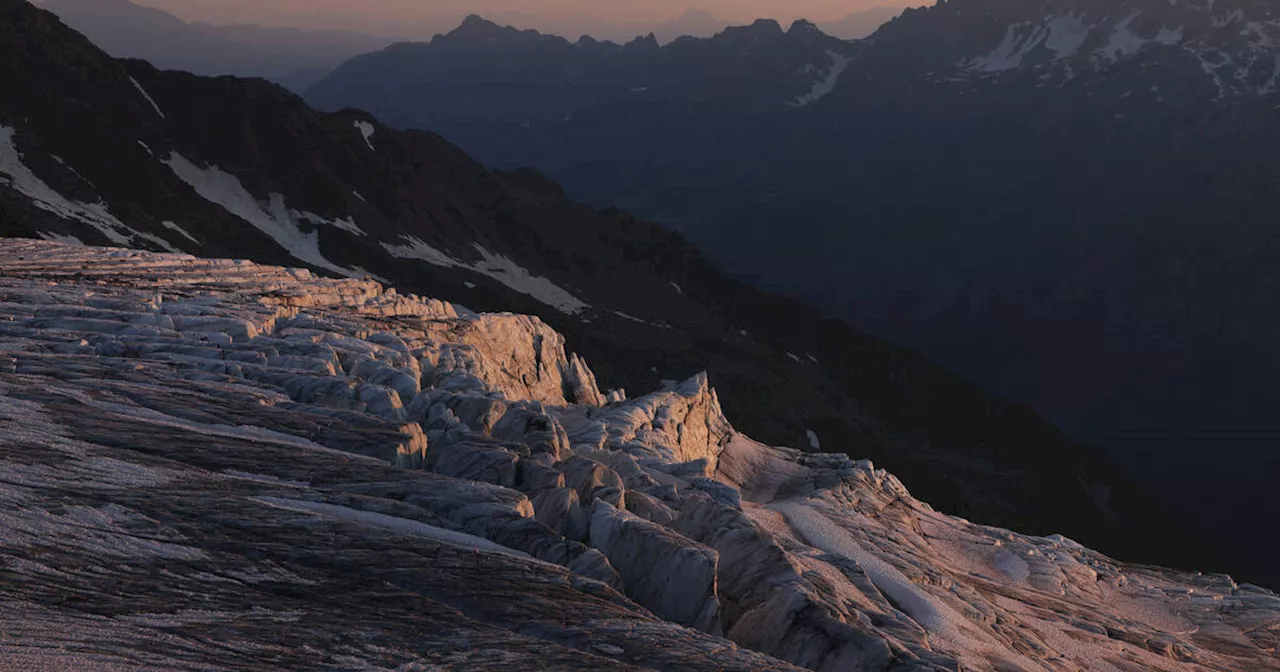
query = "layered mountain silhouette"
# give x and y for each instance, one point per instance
(115, 152)
(860, 24)
(293, 58)
(1067, 201)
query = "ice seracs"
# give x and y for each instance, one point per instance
(401, 440)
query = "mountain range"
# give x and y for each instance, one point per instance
(105, 151)
(240, 429)
(291, 57)
(1065, 201)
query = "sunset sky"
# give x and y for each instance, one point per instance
(393, 15)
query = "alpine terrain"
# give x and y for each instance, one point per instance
(1067, 201)
(247, 423)
(293, 58)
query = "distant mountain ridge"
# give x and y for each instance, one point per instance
(1067, 200)
(291, 57)
(860, 24)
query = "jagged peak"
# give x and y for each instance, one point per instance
(803, 26)
(476, 28)
(475, 22)
(764, 27)
(649, 41)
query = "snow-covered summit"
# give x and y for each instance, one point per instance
(1234, 43)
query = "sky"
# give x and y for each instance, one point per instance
(401, 16)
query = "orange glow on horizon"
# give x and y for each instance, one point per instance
(394, 15)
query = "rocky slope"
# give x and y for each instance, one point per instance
(115, 152)
(1068, 201)
(204, 459)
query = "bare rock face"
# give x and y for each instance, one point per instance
(189, 444)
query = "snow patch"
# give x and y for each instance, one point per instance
(366, 131)
(1234, 16)
(348, 224)
(272, 218)
(158, 242)
(180, 231)
(1123, 41)
(824, 86)
(677, 288)
(516, 277)
(632, 318)
(1009, 54)
(16, 175)
(1170, 36)
(59, 238)
(146, 95)
(1066, 35)
(417, 249)
(814, 443)
(497, 267)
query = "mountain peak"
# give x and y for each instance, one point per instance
(759, 30)
(803, 27)
(649, 41)
(475, 24)
(769, 26)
